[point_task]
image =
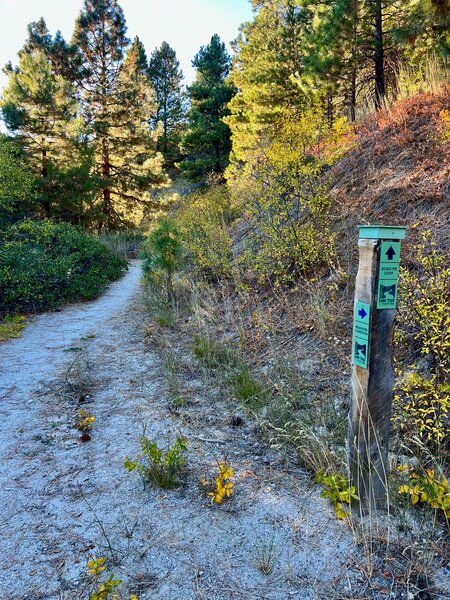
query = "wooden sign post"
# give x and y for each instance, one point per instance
(372, 372)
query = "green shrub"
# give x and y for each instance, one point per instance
(213, 354)
(158, 467)
(202, 220)
(422, 398)
(162, 253)
(284, 193)
(43, 265)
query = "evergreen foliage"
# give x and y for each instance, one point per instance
(40, 107)
(117, 102)
(17, 183)
(43, 265)
(207, 140)
(166, 77)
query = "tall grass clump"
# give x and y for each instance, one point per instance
(124, 244)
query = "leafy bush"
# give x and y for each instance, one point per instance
(428, 488)
(11, 327)
(156, 466)
(422, 399)
(202, 220)
(338, 490)
(43, 265)
(162, 252)
(285, 197)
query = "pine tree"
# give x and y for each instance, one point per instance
(41, 109)
(207, 140)
(166, 77)
(17, 182)
(117, 100)
(65, 58)
(269, 53)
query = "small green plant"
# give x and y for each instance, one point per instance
(11, 327)
(159, 467)
(162, 251)
(222, 489)
(267, 556)
(427, 488)
(245, 387)
(338, 490)
(212, 354)
(107, 589)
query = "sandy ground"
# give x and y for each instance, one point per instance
(63, 501)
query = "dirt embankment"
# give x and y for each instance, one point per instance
(398, 172)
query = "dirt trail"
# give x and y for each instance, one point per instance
(63, 502)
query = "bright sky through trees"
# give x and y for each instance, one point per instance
(184, 24)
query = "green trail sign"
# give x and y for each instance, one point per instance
(388, 275)
(361, 328)
(373, 379)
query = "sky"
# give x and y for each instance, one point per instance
(184, 24)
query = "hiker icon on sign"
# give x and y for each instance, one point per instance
(360, 352)
(387, 293)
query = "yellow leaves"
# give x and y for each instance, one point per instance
(428, 489)
(11, 327)
(96, 566)
(85, 421)
(223, 484)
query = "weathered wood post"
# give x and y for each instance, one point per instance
(372, 372)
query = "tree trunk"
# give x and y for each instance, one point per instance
(44, 174)
(106, 172)
(353, 97)
(380, 86)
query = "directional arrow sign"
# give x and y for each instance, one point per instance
(361, 329)
(388, 275)
(362, 313)
(390, 253)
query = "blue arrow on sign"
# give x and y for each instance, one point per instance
(362, 313)
(390, 253)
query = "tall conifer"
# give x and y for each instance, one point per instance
(166, 77)
(207, 140)
(118, 105)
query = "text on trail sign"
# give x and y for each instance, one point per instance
(361, 334)
(388, 276)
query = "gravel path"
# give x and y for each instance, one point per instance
(63, 501)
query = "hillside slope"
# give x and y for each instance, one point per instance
(398, 171)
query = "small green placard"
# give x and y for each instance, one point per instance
(390, 253)
(361, 334)
(388, 275)
(387, 293)
(360, 352)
